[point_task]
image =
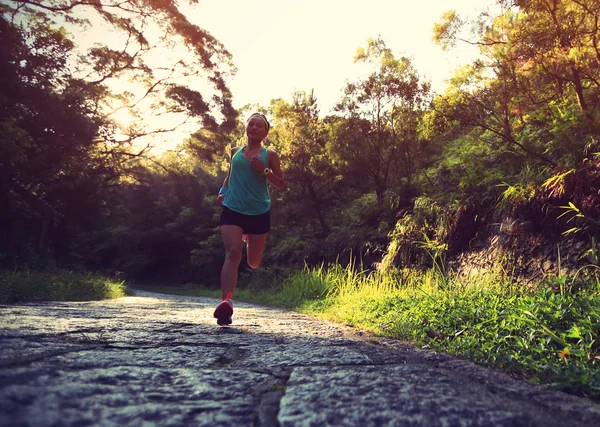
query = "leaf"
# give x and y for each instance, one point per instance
(571, 231)
(574, 332)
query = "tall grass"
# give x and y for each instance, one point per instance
(27, 286)
(543, 335)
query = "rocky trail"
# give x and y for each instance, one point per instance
(160, 360)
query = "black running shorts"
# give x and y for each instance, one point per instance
(250, 224)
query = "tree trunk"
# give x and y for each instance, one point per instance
(589, 118)
(34, 202)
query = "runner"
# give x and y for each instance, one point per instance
(246, 214)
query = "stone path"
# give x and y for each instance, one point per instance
(155, 359)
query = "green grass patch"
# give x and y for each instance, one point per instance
(28, 286)
(547, 335)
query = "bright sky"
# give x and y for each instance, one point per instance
(281, 45)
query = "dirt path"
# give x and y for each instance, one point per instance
(155, 359)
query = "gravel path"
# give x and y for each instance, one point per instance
(154, 359)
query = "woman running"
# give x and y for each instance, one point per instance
(246, 214)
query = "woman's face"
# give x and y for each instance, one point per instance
(256, 129)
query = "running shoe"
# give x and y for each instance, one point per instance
(224, 321)
(223, 312)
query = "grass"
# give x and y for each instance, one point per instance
(547, 335)
(28, 286)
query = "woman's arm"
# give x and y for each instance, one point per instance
(276, 175)
(220, 196)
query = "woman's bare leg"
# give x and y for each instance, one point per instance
(255, 246)
(232, 239)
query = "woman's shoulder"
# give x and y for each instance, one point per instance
(271, 153)
(235, 150)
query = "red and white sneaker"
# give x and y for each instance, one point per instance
(223, 312)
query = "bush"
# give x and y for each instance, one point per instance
(27, 286)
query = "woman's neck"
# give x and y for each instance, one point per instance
(253, 144)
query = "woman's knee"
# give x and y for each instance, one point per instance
(234, 253)
(254, 250)
(254, 264)
(254, 258)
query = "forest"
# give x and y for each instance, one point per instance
(396, 178)
(393, 168)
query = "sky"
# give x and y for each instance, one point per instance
(280, 46)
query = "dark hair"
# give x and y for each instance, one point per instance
(262, 117)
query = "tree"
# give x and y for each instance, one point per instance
(382, 112)
(561, 40)
(300, 138)
(60, 147)
(47, 136)
(153, 222)
(535, 86)
(190, 59)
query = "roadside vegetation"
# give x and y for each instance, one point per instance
(547, 335)
(30, 286)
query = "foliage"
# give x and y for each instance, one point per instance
(379, 136)
(300, 139)
(570, 200)
(542, 336)
(207, 260)
(154, 244)
(533, 88)
(419, 237)
(26, 286)
(51, 163)
(61, 149)
(360, 230)
(146, 28)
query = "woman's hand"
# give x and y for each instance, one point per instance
(257, 164)
(220, 199)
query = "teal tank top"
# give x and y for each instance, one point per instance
(248, 191)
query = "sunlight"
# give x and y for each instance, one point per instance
(134, 111)
(310, 44)
(141, 300)
(282, 47)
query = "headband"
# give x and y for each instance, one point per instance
(262, 117)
